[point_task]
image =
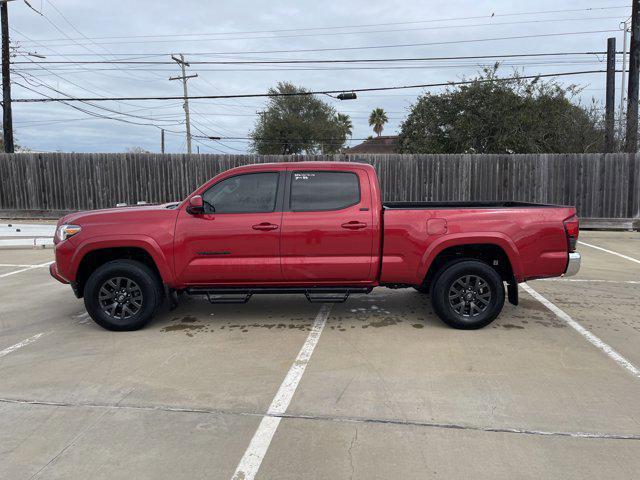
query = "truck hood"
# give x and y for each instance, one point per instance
(115, 215)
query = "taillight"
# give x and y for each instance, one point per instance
(572, 228)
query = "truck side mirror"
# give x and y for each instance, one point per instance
(196, 205)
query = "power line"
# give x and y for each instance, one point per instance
(414, 22)
(353, 68)
(88, 112)
(319, 61)
(323, 92)
(40, 83)
(126, 114)
(74, 28)
(369, 47)
(364, 32)
(208, 137)
(63, 78)
(404, 45)
(276, 141)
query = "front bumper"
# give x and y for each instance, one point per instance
(573, 266)
(53, 270)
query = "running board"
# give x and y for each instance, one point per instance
(231, 295)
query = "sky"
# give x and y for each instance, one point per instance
(75, 31)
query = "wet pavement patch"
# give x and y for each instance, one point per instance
(191, 325)
(510, 326)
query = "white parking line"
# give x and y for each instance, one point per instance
(606, 348)
(16, 265)
(31, 267)
(626, 257)
(590, 280)
(21, 344)
(257, 449)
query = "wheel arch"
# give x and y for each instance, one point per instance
(90, 256)
(488, 249)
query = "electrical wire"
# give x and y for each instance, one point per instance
(66, 79)
(94, 114)
(370, 47)
(305, 93)
(126, 114)
(413, 22)
(318, 61)
(342, 69)
(77, 30)
(332, 34)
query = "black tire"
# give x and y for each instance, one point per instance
(427, 290)
(135, 285)
(477, 286)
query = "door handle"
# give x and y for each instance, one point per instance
(265, 226)
(354, 225)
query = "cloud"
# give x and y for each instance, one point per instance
(116, 28)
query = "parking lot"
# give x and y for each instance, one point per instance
(375, 388)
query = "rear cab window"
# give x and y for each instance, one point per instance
(313, 191)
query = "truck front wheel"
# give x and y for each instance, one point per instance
(468, 294)
(122, 295)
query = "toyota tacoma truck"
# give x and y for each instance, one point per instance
(316, 228)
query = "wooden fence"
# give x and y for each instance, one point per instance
(600, 186)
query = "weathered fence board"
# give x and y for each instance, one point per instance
(600, 186)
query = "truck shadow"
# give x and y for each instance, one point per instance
(383, 309)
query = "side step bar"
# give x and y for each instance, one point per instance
(243, 294)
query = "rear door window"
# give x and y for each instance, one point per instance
(318, 191)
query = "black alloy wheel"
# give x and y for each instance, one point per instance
(469, 295)
(120, 298)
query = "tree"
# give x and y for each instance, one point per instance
(293, 124)
(377, 119)
(345, 123)
(137, 150)
(17, 148)
(490, 115)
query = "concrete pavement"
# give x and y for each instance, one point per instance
(389, 391)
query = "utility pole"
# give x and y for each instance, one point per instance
(623, 81)
(162, 140)
(7, 118)
(609, 124)
(180, 61)
(634, 76)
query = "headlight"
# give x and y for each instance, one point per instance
(66, 231)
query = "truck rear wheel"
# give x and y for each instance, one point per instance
(468, 294)
(122, 295)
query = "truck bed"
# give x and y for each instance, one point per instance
(532, 235)
(445, 205)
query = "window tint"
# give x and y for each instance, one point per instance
(251, 193)
(311, 191)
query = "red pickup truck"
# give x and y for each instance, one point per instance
(316, 228)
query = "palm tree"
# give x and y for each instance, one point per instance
(377, 119)
(344, 121)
